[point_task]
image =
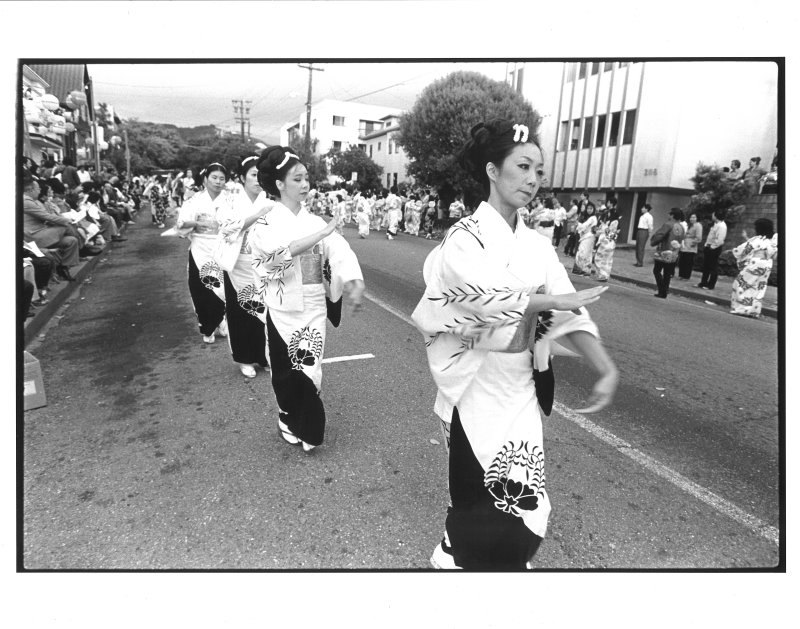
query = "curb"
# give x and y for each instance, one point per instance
(58, 297)
(720, 301)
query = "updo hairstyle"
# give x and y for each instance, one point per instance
(245, 164)
(491, 142)
(269, 173)
(214, 167)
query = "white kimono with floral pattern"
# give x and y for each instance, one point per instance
(477, 285)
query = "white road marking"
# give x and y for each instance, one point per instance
(341, 359)
(681, 482)
(717, 503)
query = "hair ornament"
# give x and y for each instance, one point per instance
(520, 133)
(286, 157)
(247, 159)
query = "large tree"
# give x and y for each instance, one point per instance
(714, 191)
(438, 124)
(355, 160)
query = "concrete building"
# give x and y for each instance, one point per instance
(637, 130)
(336, 125)
(381, 145)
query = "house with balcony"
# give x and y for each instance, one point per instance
(382, 147)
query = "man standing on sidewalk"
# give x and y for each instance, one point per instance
(716, 238)
(644, 228)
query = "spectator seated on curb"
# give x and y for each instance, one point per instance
(52, 197)
(48, 229)
(107, 225)
(114, 204)
(42, 265)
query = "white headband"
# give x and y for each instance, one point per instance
(286, 158)
(520, 133)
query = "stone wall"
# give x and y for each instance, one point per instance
(757, 206)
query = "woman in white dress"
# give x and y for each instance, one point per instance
(497, 305)
(585, 230)
(198, 220)
(304, 267)
(245, 311)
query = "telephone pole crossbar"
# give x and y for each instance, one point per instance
(241, 114)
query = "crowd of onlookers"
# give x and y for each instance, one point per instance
(70, 213)
(755, 177)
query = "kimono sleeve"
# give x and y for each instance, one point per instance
(468, 297)
(270, 249)
(339, 266)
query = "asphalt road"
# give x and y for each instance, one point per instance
(154, 452)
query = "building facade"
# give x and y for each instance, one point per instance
(637, 130)
(335, 125)
(382, 147)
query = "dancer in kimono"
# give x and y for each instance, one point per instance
(497, 304)
(412, 215)
(754, 259)
(159, 202)
(362, 216)
(585, 231)
(245, 311)
(378, 208)
(304, 268)
(198, 220)
(606, 244)
(393, 213)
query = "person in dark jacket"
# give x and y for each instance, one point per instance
(667, 240)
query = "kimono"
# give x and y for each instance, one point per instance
(604, 255)
(159, 204)
(478, 282)
(412, 215)
(205, 275)
(583, 257)
(245, 310)
(362, 216)
(754, 259)
(299, 294)
(393, 214)
(378, 209)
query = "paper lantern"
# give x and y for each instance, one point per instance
(69, 102)
(115, 140)
(102, 145)
(78, 97)
(49, 102)
(69, 127)
(32, 112)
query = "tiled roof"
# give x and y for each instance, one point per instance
(62, 77)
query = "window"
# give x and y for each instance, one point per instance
(608, 66)
(338, 121)
(571, 71)
(389, 146)
(394, 176)
(595, 68)
(519, 79)
(601, 130)
(363, 147)
(337, 145)
(582, 70)
(622, 64)
(576, 134)
(587, 133)
(630, 121)
(613, 138)
(379, 147)
(388, 180)
(370, 150)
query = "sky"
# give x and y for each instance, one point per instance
(192, 94)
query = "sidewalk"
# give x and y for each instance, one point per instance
(59, 294)
(623, 270)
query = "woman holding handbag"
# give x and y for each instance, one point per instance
(667, 241)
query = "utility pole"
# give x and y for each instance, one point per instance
(241, 113)
(93, 115)
(128, 176)
(308, 104)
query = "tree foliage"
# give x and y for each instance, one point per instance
(355, 160)
(716, 192)
(438, 125)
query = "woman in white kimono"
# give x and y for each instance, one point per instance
(585, 229)
(754, 258)
(198, 219)
(393, 213)
(362, 215)
(412, 215)
(304, 267)
(245, 311)
(497, 304)
(607, 232)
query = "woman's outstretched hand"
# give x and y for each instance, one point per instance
(355, 289)
(573, 301)
(602, 392)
